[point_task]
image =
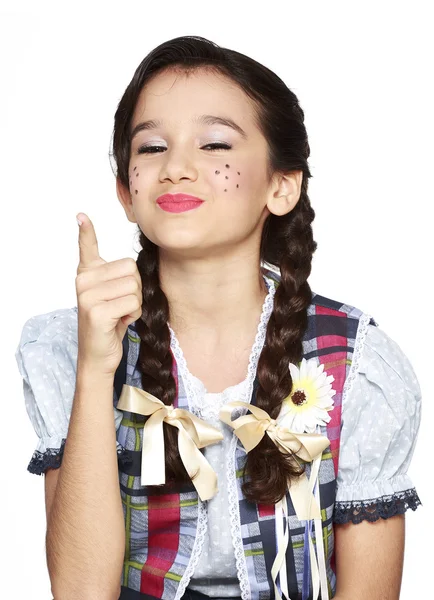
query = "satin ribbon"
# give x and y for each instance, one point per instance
(320, 552)
(250, 429)
(193, 434)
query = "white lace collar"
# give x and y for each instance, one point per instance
(194, 387)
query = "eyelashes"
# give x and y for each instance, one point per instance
(147, 149)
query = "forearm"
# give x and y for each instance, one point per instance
(85, 531)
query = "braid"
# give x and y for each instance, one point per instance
(287, 241)
(155, 357)
(267, 469)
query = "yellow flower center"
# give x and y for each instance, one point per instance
(304, 394)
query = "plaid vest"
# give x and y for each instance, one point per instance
(164, 531)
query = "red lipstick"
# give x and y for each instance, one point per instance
(177, 203)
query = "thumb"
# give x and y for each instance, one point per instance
(87, 243)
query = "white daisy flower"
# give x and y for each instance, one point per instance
(310, 400)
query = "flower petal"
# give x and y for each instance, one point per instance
(295, 373)
(312, 369)
(303, 369)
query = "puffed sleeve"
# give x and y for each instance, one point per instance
(380, 423)
(47, 358)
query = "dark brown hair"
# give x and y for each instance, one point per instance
(287, 242)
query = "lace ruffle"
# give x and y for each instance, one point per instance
(234, 512)
(356, 511)
(358, 348)
(195, 391)
(50, 459)
(192, 386)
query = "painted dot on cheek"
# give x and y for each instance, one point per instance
(136, 191)
(137, 174)
(226, 190)
(226, 177)
(238, 172)
(217, 172)
(136, 168)
(238, 185)
(227, 166)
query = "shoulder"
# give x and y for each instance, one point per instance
(325, 307)
(383, 358)
(383, 397)
(333, 307)
(377, 355)
(49, 324)
(339, 325)
(45, 334)
(45, 327)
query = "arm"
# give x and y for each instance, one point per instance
(380, 420)
(85, 524)
(369, 559)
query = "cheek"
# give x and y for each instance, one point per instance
(134, 180)
(228, 178)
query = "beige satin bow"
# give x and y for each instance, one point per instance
(193, 434)
(250, 429)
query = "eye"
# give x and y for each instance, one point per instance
(218, 146)
(149, 149)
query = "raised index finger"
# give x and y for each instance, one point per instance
(87, 243)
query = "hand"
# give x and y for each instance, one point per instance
(109, 298)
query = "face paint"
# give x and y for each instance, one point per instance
(226, 177)
(227, 166)
(217, 172)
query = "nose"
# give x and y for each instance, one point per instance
(178, 165)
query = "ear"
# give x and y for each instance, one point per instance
(126, 200)
(286, 194)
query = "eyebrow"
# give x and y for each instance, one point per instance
(201, 120)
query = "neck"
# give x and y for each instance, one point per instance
(212, 297)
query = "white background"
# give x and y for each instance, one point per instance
(362, 72)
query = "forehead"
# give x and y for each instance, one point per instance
(177, 96)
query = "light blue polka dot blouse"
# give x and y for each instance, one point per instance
(380, 421)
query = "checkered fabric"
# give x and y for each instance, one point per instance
(162, 529)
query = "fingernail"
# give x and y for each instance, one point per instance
(78, 221)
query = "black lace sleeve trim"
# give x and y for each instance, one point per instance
(371, 510)
(52, 459)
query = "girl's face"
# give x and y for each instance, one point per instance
(197, 135)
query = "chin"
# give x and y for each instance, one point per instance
(182, 245)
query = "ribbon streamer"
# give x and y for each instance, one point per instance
(320, 552)
(250, 429)
(281, 513)
(193, 434)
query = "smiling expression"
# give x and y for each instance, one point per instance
(198, 135)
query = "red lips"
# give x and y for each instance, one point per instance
(177, 198)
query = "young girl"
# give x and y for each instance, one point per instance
(209, 426)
